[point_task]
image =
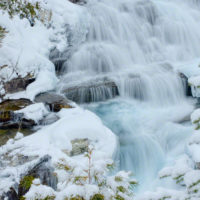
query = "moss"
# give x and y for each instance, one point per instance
(22, 198)
(118, 178)
(118, 197)
(3, 132)
(166, 197)
(97, 197)
(2, 34)
(121, 189)
(49, 198)
(76, 198)
(26, 182)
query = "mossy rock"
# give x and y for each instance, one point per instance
(6, 134)
(14, 104)
(97, 197)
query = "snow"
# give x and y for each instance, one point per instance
(54, 140)
(35, 112)
(38, 191)
(26, 49)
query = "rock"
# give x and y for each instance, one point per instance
(10, 195)
(41, 170)
(188, 90)
(54, 101)
(79, 146)
(78, 1)
(14, 104)
(10, 122)
(92, 92)
(197, 165)
(58, 63)
(6, 116)
(22, 123)
(18, 84)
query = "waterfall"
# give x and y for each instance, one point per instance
(134, 44)
(131, 50)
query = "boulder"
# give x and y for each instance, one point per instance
(18, 84)
(92, 92)
(55, 101)
(79, 146)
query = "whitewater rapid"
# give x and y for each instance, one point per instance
(137, 45)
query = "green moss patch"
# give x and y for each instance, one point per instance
(26, 182)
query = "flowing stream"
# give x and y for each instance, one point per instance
(134, 46)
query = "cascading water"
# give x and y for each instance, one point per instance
(131, 50)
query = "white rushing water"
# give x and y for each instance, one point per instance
(134, 45)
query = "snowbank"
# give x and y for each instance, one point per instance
(55, 140)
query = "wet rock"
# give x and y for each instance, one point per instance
(79, 146)
(10, 195)
(6, 116)
(92, 92)
(18, 84)
(17, 124)
(188, 90)
(54, 101)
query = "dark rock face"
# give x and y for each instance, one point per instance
(78, 1)
(54, 101)
(58, 63)
(187, 87)
(10, 195)
(18, 84)
(92, 93)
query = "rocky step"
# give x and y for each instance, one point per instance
(55, 101)
(92, 92)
